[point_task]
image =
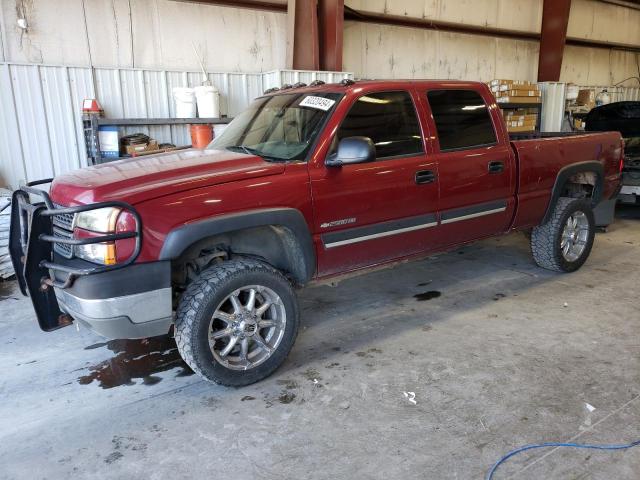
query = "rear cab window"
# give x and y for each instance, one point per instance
(462, 119)
(389, 119)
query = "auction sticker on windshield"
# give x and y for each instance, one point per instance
(318, 103)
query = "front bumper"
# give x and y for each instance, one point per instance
(125, 300)
(133, 302)
(140, 315)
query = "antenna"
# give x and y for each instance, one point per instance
(205, 78)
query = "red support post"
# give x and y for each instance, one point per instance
(331, 23)
(553, 35)
(303, 34)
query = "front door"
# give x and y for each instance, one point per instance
(370, 213)
(476, 167)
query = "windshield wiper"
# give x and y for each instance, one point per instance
(253, 151)
(246, 150)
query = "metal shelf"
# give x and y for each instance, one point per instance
(511, 106)
(162, 121)
(91, 124)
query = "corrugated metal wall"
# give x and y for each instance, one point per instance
(41, 123)
(617, 94)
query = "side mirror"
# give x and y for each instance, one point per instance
(352, 150)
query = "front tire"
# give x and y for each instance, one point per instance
(563, 243)
(236, 324)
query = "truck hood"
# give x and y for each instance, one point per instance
(137, 180)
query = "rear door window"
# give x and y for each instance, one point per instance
(462, 119)
(389, 119)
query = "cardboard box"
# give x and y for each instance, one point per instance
(521, 123)
(522, 129)
(141, 148)
(509, 82)
(511, 99)
(519, 93)
(520, 111)
(586, 97)
(504, 87)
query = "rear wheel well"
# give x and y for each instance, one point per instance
(580, 185)
(272, 244)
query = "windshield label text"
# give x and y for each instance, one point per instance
(318, 103)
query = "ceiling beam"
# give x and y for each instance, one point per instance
(331, 27)
(553, 35)
(280, 7)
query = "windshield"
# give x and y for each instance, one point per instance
(279, 127)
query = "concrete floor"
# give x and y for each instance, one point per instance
(507, 354)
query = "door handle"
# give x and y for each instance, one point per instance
(425, 176)
(496, 167)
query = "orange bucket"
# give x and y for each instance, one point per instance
(201, 135)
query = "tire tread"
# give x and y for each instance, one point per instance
(544, 238)
(205, 286)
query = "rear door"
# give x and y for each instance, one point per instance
(476, 165)
(370, 213)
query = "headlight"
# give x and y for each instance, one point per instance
(102, 220)
(102, 253)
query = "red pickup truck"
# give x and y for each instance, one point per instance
(307, 183)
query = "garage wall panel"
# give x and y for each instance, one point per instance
(63, 143)
(596, 66)
(382, 51)
(11, 157)
(512, 14)
(153, 34)
(32, 121)
(604, 21)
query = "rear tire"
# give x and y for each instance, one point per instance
(236, 324)
(563, 243)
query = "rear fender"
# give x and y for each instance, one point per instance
(565, 173)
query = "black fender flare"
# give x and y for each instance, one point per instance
(180, 239)
(567, 172)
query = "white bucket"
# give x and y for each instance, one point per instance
(185, 102)
(208, 99)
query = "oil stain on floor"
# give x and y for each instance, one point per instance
(135, 359)
(421, 297)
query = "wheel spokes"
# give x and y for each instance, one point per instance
(263, 308)
(227, 332)
(260, 341)
(251, 301)
(235, 301)
(224, 316)
(244, 351)
(226, 350)
(245, 339)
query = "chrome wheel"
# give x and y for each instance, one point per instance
(575, 236)
(247, 327)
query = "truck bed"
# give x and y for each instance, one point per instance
(542, 155)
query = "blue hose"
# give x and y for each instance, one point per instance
(557, 444)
